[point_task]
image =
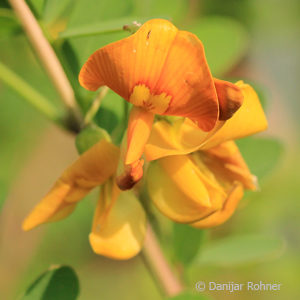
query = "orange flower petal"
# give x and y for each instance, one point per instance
(91, 169)
(184, 137)
(187, 78)
(119, 224)
(226, 212)
(138, 59)
(138, 132)
(160, 69)
(230, 98)
(130, 169)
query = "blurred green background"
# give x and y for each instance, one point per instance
(257, 41)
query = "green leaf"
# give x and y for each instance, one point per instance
(189, 296)
(236, 250)
(89, 137)
(70, 63)
(261, 154)
(174, 10)
(97, 28)
(187, 242)
(225, 42)
(103, 10)
(60, 283)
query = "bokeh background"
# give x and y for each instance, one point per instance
(254, 40)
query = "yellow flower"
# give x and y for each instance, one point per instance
(119, 222)
(160, 70)
(198, 176)
(203, 188)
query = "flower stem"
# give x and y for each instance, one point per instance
(48, 58)
(32, 96)
(159, 266)
(95, 106)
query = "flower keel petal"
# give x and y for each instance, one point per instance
(226, 212)
(130, 169)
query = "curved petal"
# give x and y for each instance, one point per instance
(160, 69)
(183, 173)
(181, 191)
(226, 212)
(119, 224)
(135, 60)
(91, 169)
(178, 138)
(248, 120)
(230, 98)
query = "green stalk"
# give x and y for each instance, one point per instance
(95, 106)
(32, 96)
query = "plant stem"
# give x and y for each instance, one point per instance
(48, 58)
(32, 96)
(159, 266)
(95, 106)
(97, 29)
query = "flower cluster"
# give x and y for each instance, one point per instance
(195, 173)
